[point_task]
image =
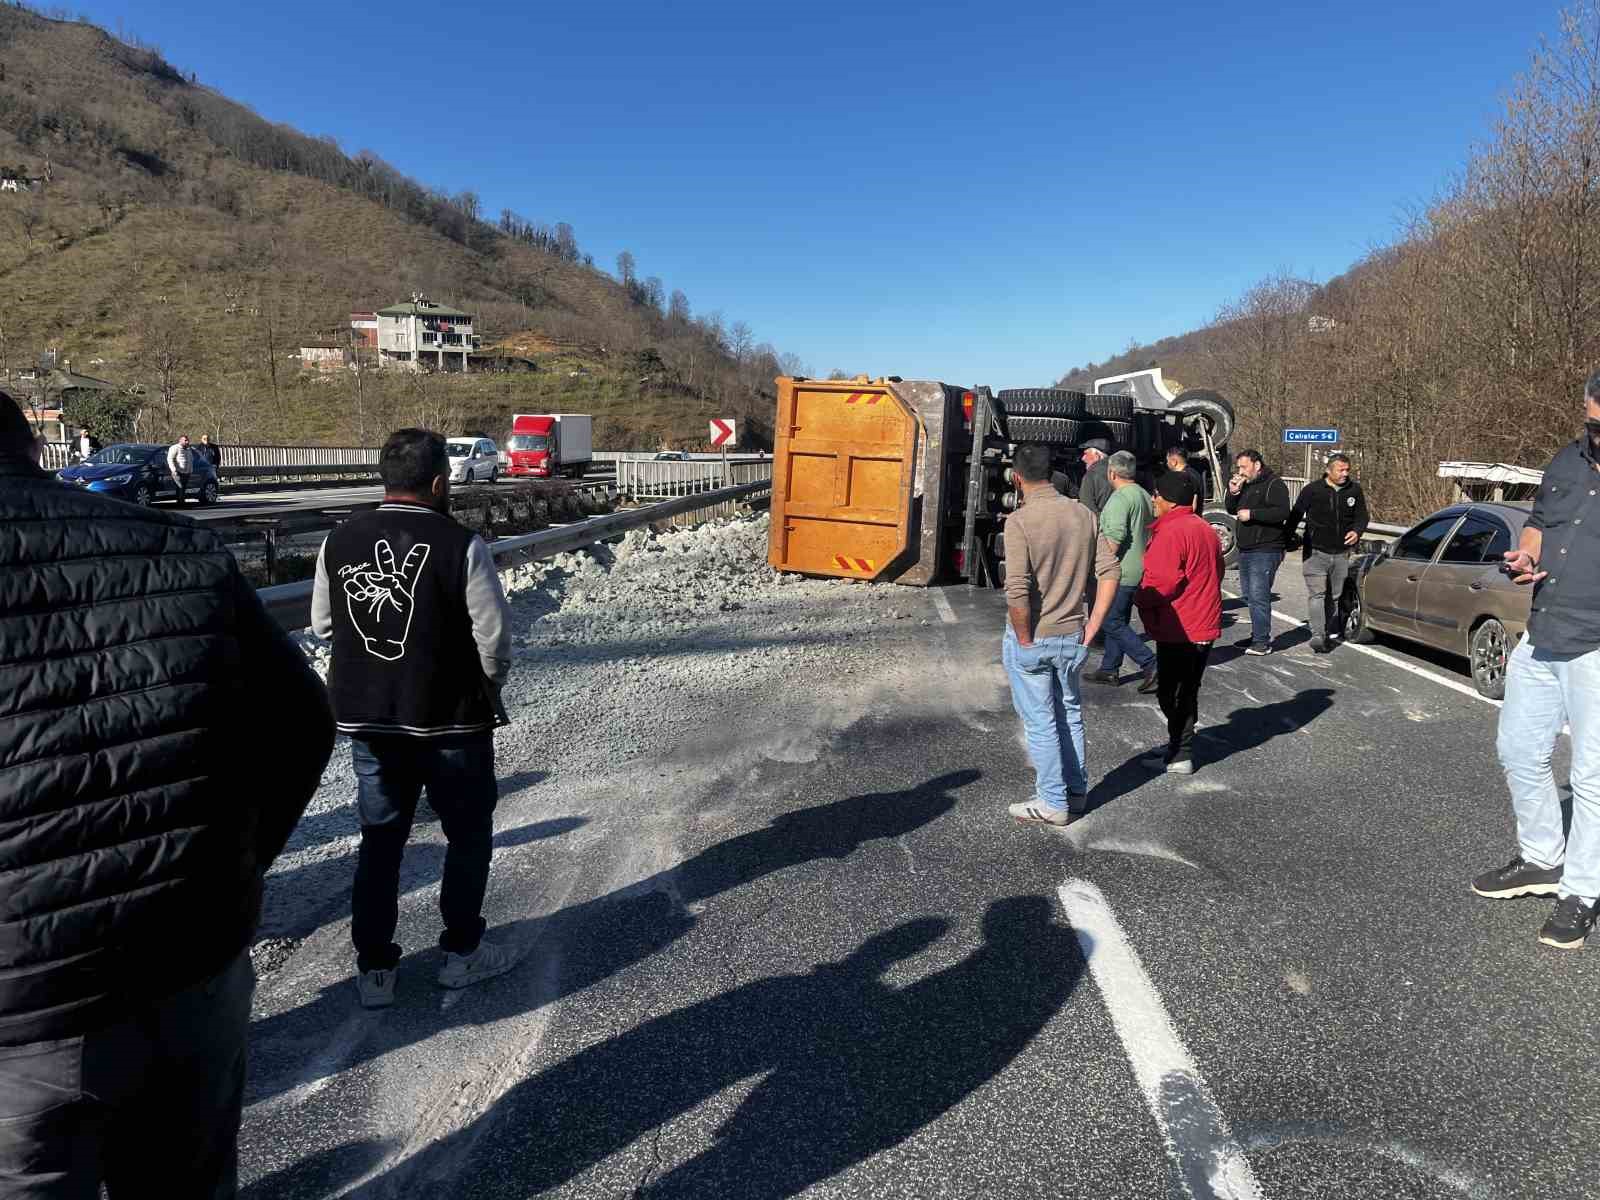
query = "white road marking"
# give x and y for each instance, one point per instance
(1455, 685)
(942, 603)
(1210, 1163)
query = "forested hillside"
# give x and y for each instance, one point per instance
(1469, 337)
(170, 240)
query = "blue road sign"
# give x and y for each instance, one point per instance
(1311, 437)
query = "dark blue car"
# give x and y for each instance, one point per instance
(137, 472)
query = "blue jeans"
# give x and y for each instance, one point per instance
(1257, 570)
(1542, 695)
(390, 775)
(1047, 694)
(1120, 637)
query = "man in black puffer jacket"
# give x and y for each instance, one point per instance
(139, 674)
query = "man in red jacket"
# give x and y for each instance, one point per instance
(1181, 603)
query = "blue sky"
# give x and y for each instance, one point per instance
(977, 192)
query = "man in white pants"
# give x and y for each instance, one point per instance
(1553, 680)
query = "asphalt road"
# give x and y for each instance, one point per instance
(832, 966)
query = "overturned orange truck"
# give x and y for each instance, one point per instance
(909, 481)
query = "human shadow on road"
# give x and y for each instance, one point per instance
(1246, 729)
(597, 938)
(299, 900)
(853, 1066)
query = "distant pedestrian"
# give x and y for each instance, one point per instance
(1334, 509)
(180, 465)
(1553, 682)
(88, 444)
(161, 738)
(1052, 552)
(1095, 489)
(421, 647)
(1181, 603)
(1125, 528)
(1178, 460)
(210, 451)
(1259, 500)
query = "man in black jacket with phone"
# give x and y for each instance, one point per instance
(421, 646)
(137, 671)
(1259, 501)
(1334, 509)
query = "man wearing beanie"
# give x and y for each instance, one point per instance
(1181, 603)
(137, 672)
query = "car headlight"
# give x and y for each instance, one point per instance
(125, 477)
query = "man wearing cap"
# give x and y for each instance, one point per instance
(1181, 603)
(1095, 489)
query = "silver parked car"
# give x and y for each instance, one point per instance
(1440, 583)
(472, 459)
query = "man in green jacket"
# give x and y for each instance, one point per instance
(1125, 527)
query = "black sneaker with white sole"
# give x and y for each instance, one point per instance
(1519, 877)
(1569, 924)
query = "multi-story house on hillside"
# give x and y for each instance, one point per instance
(421, 333)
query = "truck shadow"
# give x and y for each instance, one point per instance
(850, 1065)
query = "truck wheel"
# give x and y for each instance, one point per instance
(1054, 431)
(1226, 527)
(1041, 402)
(1120, 433)
(1210, 406)
(1109, 407)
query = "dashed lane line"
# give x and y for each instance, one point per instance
(942, 603)
(1455, 685)
(1209, 1162)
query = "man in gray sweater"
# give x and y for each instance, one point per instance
(1053, 550)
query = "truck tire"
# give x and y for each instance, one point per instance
(1217, 412)
(1120, 433)
(1041, 402)
(1226, 526)
(1053, 431)
(1109, 407)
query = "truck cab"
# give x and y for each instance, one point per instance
(532, 447)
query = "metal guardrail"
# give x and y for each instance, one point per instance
(290, 603)
(651, 480)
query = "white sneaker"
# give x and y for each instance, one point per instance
(1031, 811)
(1181, 766)
(464, 970)
(376, 988)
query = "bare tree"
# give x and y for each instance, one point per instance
(164, 348)
(625, 268)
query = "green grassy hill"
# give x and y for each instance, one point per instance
(184, 246)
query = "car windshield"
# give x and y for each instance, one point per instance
(122, 455)
(529, 441)
(461, 449)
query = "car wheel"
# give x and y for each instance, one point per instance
(1226, 527)
(1356, 630)
(1041, 402)
(208, 492)
(1210, 407)
(494, 474)
(143, 496)
(1490, 650)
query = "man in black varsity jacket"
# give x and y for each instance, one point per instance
(421, 647)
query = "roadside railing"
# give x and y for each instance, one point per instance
(666, 480)
(240, 460)
(290, 603)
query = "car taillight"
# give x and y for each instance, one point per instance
(967, 399)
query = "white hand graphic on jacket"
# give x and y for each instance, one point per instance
(380, 600)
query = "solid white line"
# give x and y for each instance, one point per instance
(1455, 685)
(946, 613)
(1210, 1164)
